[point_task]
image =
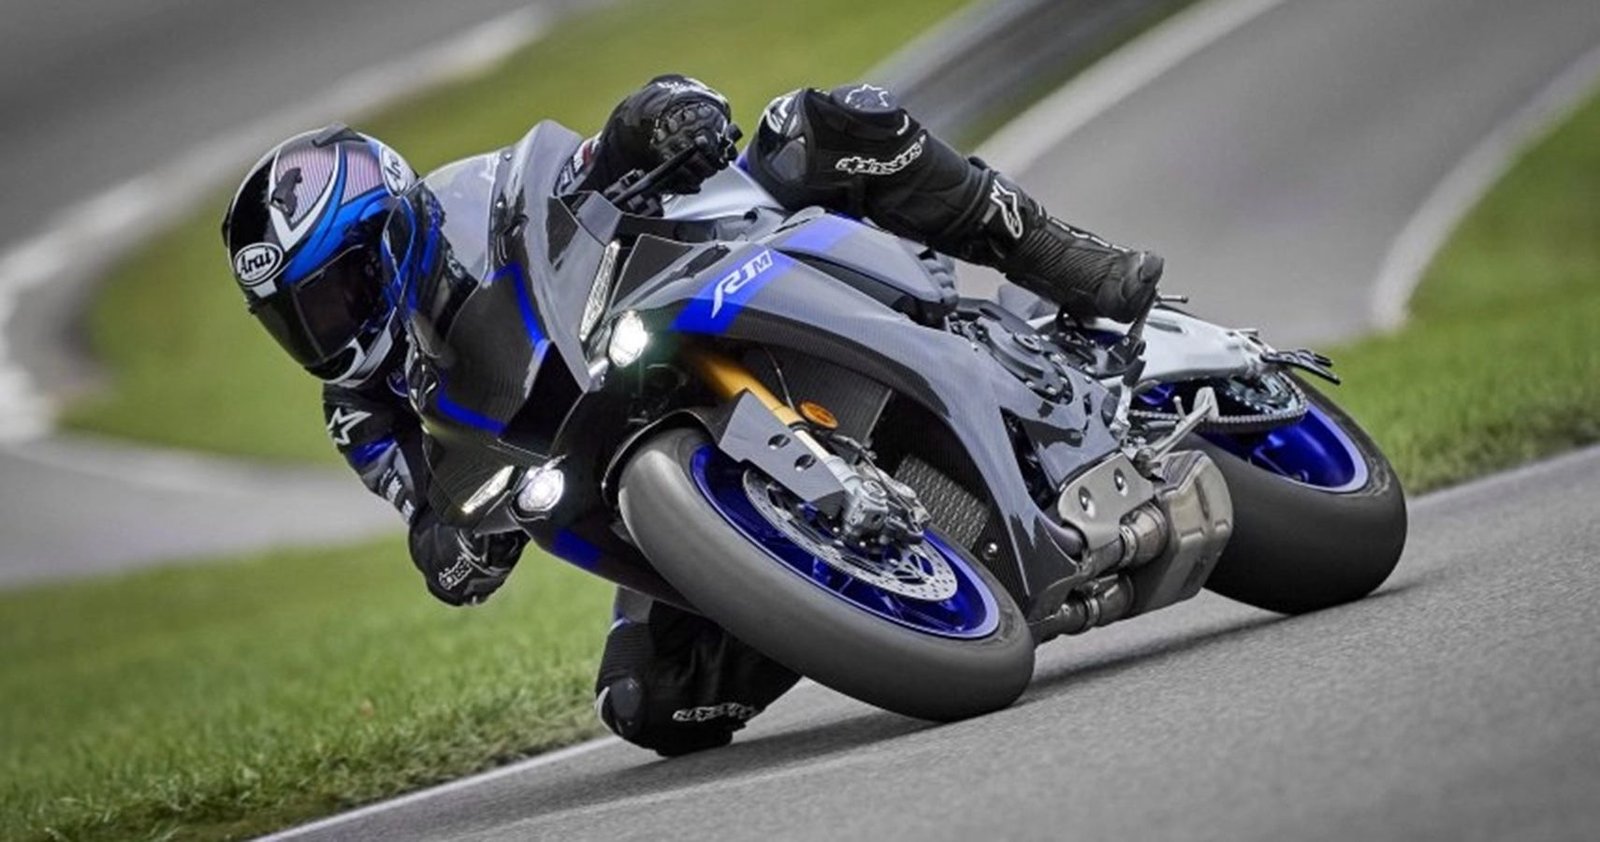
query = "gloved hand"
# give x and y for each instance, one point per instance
(702, 125)
(461, 568)
(670, 114)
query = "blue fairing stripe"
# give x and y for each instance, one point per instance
(721, 300)
(569, 546)
(463, 415)
(530, 320)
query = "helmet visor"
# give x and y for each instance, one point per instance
(319, 316)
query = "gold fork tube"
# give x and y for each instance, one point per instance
(728, 378)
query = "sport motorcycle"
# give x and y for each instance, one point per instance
(791, 423)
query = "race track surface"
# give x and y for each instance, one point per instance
(1274, 169)
(1461, 702)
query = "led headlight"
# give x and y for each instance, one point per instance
(489, 490)
(628, 339)
(542, 490)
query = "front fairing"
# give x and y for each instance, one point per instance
(487, 316)
(770, 291)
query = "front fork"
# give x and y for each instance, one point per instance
(870, 503)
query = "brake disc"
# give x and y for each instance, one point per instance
(916, 572)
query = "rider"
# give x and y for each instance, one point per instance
(304, 232)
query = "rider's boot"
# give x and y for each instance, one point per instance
(855, 148)
(1083, 273)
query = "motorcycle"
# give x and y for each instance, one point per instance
(792, 424)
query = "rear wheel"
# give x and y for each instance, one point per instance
(923, 631)
(1320, 517)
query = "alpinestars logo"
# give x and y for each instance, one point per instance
(470, 559)
(858, 165)
(735, 280)
(1005, 199)
(868, 96)
(730, 710)
(342, 422)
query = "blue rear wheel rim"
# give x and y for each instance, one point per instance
(1314, 451)
(970, 613)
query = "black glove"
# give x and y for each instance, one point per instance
(700, 125)
(461, 568)
(665, 117)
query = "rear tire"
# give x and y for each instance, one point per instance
(1298, 548)
(797, 622)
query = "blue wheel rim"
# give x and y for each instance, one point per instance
(970, 613)
(1315, 451)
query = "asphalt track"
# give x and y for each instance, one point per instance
(94, 93)
(1275, 168)
(1461, 702)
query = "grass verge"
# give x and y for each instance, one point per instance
(189, 367)
(226, 701)
(1500, 363)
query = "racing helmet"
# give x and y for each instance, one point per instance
(304, 236)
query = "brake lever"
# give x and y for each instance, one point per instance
(634, 189)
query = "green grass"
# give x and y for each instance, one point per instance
(1501, 361)
(189, 368)
(222, 701)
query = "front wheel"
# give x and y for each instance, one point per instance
(1320, 518)
(927, 632)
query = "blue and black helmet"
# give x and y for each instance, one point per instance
(303, 234)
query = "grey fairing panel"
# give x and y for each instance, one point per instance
(809, 311)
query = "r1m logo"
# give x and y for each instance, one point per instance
(738, 278)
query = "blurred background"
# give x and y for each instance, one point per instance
(208, 629)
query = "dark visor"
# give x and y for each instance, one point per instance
(317, 317)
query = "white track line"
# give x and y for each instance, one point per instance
(1027, 139)
(1426, 231)
(558, 756)
(94, 232)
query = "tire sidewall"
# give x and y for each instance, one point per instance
(799, 624)
(1298, 548)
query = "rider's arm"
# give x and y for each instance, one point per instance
(649, 126)
(383, 442)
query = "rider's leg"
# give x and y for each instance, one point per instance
(854, 149)
(675, 682)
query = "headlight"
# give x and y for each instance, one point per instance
(542, 490)
(628, 340)
(489, 490)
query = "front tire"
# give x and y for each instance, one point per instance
(1306, 544)
(800, 623)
